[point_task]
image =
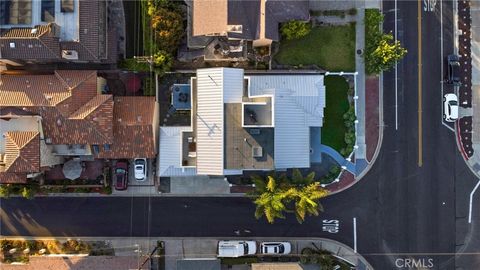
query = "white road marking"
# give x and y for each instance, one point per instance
(396, 75)
(471, 202)
(355, 234)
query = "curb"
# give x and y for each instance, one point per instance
(98, 195)
(338, 245)
(379, 143)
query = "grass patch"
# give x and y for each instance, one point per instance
(240, 260)
(333, 130)
(329, 47)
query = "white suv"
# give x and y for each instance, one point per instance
(140, 169)
(236, 248)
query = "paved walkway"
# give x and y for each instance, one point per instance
(361, 152)
(338, 158)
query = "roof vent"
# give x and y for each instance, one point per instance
(48, 97)
(139, 118)
(95, 119)
(257, 152)
(59, 122)
(34, 30)
(70, 54)
(119, 120)
(48, 140)
(12, 45)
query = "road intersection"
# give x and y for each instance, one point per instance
(413, 203)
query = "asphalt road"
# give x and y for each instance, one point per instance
(402, 210)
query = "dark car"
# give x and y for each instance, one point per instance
(120, 175)
(453, 71)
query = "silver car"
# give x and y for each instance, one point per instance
(275, 248)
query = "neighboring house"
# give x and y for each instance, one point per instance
(55, 31)
(228, 28)
(63, 114)
(245, 122)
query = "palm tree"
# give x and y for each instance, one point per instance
(271, 202)
(299, 180)
(306, 201)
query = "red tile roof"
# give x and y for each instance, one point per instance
(72, 111)
(133, 128)
(22, 156)
(94, 44)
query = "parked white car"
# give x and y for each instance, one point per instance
(275, 248)
(236, 248)
(140, 169)
(450, 107)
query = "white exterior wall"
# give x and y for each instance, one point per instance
(170, 152)
(299, 101)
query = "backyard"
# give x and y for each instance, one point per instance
(334, 128)
(329, 47)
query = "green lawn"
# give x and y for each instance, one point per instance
(330, 47)
(333, 130)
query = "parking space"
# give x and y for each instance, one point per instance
(149, 180)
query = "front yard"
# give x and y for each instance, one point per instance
(334, 129)
(330, 47)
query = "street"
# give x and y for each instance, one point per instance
(413, 203)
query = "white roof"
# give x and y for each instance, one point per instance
(170, 152)
(299, 101)
(214, 87)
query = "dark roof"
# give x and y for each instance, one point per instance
(279, 11)
(247, 14)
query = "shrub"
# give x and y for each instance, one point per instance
(5, 191)
(162, 62)
(295, 29)
(28, 192)
(134, 65)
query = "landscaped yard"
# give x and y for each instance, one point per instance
(329, 47)
(334, 129)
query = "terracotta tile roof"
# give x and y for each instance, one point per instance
(94, 44)
(39, 42)
(13, 178)
(72, 111)
(133, 128)
(22, 151)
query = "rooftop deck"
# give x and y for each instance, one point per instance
(246, 148)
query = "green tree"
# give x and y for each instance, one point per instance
(386, 53)
(306, 201)
(162, 62)
(295, 29)
(5, 190)
(271, 203)
(168, 27)
(275, 196)
(381, 51)
(28, 192)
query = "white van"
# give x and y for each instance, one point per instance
(236, 248)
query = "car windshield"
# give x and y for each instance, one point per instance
(281, 249)
(452, 102)
(120, 171)
(139, 168)
(245, 248)
(139, 161)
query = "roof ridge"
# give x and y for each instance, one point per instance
(105, 99)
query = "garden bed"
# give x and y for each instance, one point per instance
(20, 250)
(331, 48)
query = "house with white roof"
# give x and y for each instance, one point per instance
(239, 121)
